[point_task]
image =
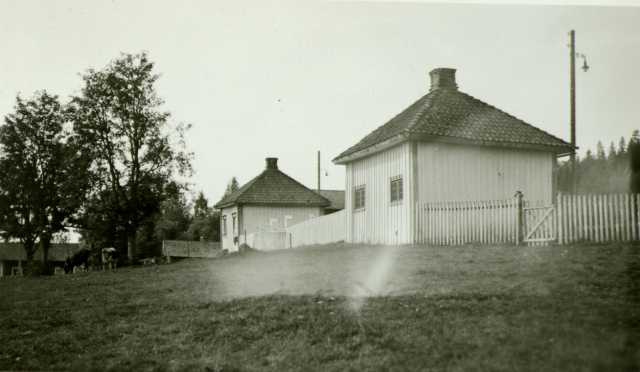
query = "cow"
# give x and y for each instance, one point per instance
(78, 262)
(108, 258)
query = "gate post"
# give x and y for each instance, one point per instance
(519, 217)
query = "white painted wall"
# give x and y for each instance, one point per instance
(380, 222)
(449, 172)
(325, 229)
(261, 218)
(227, 240)
(443, 172)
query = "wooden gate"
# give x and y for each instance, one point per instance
(539, 225)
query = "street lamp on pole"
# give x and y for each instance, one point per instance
(585, 68)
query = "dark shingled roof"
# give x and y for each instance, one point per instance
(336, 197)
(446, 112)
(272, 186)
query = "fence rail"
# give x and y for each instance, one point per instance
(184, 248)
(326, 229)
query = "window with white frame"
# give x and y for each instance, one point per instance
(358, 197)
(287, 218)
(224, 225)
(396, 189)
(234, 224)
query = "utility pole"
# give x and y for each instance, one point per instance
(585, 68)
(572, 46)
(318, 170)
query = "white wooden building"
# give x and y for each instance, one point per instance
(269, 203)
(447, 146)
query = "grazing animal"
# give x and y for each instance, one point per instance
(148, 261)
(68, 266)
(108, 258)
(79, 261)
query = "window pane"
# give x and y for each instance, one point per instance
(359, 198)
(396, 189)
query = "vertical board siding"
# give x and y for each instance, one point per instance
(380, 221)
(463, 172)
(322, 230)
(597, 218)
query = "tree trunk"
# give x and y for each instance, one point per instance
(132, 245)
(29, 248)
(45, 244)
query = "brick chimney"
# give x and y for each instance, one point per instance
(443, 78)
(272, 163)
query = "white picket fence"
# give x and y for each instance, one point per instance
(461, 222)
(598, 218)
(573, 218)
(326, 229)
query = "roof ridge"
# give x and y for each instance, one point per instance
(299, 183)
(514, 117)
(245, 194)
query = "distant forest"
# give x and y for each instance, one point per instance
(606, 171)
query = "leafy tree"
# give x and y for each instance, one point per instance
(200, 206)
(119, 120)
(43, 173)
(205, 224)
(173, 219)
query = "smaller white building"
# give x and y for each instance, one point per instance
(269, 203)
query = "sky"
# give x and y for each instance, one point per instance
(288, 79)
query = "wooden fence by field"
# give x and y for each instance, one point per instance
(573, 218)
(184, 248)
(598, 218)
(326, 229)
(461, 222)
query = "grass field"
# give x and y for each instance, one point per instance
(426, 308)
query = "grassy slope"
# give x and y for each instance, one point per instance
(461, 308)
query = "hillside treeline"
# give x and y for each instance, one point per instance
(607, 170)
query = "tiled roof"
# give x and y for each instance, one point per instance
(272, 186)
(336, 197)
(449, 113)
